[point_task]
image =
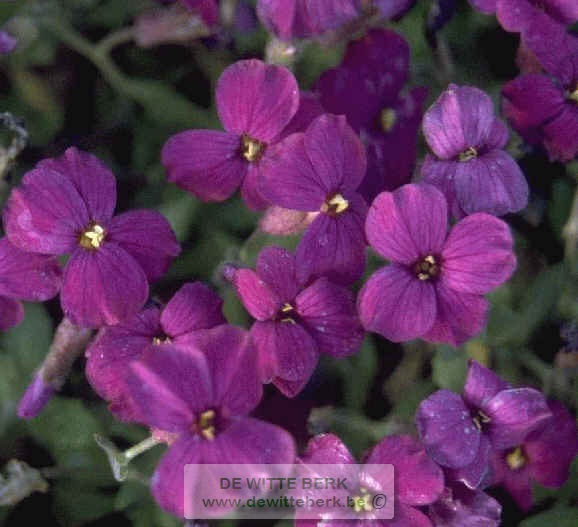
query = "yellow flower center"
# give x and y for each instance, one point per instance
(92, 237)
(206, 425)
(362, 502)
(251, 149)
(427, 268)
(574, 95)
(286, 313)
(335, 204)
(157, 341)
(516, 459)
(480, 420)
(469, 154)
(388, 119)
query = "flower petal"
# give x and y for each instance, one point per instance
(102, 287)
(441, 174)
(482, 384)
(11, 313)
(397, 305)
(478, 255)
(408, 224)
(561, 135)
(327, 449)
(276, 267)
(194, 306)
(256, 99)
(250, 188)
(477, 474)
(257, 297)
(205, 163)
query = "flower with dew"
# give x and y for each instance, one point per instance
(255, 102)
(418, 480)
(66, 206)
(155, 329)
(433, 288)
(544, 457)
(198, 399)
(543, 108)
(24, 276)
(460, 432)
(517, 16)
(469, 164)
(319, 171)
(295, 320)
(367, 90)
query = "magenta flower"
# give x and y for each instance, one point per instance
(24, 276)
(295, 321)
(469, 164)
(194, 307)
(517, 16)
(66, 206)
(433, 289)
(200, 397)
(545, 457)
(208, 10)
(460, 432)
(255, 102)
(289, 19)
(418, 480)
(387, 120)
(460, 506)
(543, 109)
(319, 171)
(7, 43)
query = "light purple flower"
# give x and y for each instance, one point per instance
(319, 171)
(255, 102)
(460, 506)
(433, 289)
(154, 330)
(518, 15)
(418, 480)
(295, 321)
(289, 19)
(393, 9)
(7, 43)
(200, 397)
(460, 432)
(469, 164)
(24, 276)
(543, 457)
(66, 206)
(543, 109)
(207, 9)
(366, 89)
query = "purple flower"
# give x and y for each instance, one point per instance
(200, 397)
(544, 109)
(463, 507)
(544, 457)
(319, 171)
(418, 480)
(387, 121)
(255, 102)
(517, 16)
(207, 9)
(434, 285)
(289, 19)
(460, 432)
(7, 43)
(469, 164)
(24, 276)
(194, 307)
(66, 206)
(295, 321)
(393, 9)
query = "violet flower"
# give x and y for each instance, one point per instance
(290, 19)
(66, 206)
(433, 289)
(24, 276)
(200, 398)
(319, 171)
(387, 121)
(517, 16)
(543, 109)
(255, 102)
(295, 321)
(469, 164)
(460, 506)
(208, 10)
(460, 432)
(393, 9)
(193, 307)
(7, 43)
(418, 480)
(544, 457)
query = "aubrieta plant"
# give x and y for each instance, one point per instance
(380, 211)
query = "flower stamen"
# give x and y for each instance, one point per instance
(362, 503)
(206, 425)
(427, 268)
(469, 154)
(286, 313)
(574, 95)
(480, 420)
(92, 237)
(335, 204)
(388, 119)
(516, 459)
(252, 149)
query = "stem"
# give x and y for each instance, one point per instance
(140, 448)
(570, 231)
(112, 40)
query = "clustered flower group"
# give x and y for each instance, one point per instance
(336, 165)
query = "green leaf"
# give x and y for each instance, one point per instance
(449, 367)
(560, 517)
(77, 506)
